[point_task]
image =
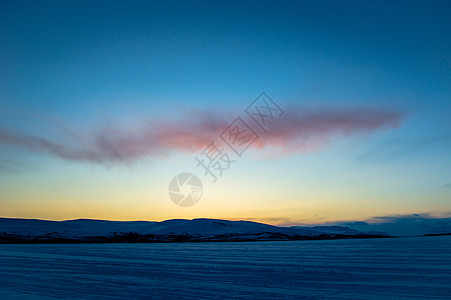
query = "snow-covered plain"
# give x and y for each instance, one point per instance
(414, 267)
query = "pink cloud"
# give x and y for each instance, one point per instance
(298, 131)
(311, 130)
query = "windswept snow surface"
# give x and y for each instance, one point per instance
(395, 268)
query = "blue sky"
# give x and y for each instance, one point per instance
(76, 72)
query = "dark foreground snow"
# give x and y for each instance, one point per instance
(398, 268)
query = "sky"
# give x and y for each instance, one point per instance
(103, 103)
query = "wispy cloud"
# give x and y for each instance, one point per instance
(403, 147)
(300, 131)
(307, 130)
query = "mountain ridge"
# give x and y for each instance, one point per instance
(17, 230)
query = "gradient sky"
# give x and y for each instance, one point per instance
(102, 103)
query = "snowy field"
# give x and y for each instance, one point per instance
(349, 269)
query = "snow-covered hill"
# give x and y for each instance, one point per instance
(86, 230)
